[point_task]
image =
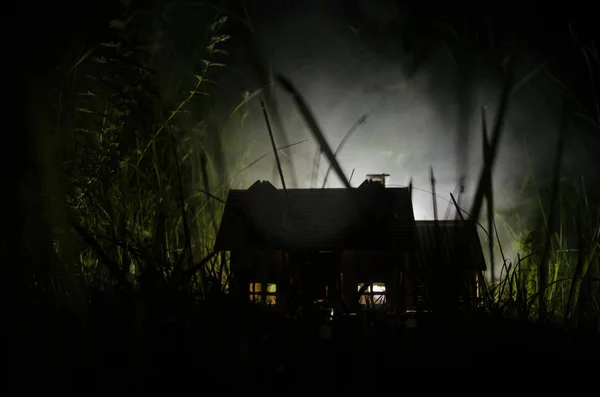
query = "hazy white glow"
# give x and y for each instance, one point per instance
(374, 287)
(412, 119)
(374, 294)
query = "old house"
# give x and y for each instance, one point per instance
(351, 248)
(447, 256)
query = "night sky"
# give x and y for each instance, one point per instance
(396, 62)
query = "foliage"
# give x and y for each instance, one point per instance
(133, 172)
(145, 191)
(569, 248)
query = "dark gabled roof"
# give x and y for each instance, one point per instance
(450, 243)
(369, 217)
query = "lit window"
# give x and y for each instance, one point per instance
(269, 291)
(373, 295)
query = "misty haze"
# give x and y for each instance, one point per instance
(282, 191)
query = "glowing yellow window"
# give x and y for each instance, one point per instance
(373, 295)
(258, 290)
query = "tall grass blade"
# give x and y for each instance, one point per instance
(207, 189)
(358, 123)
(269, 153)
(263, 71)
(272, 138)
(112, 266)
(575, 280)
(459, 213)
(489, 192)
(461, 192)
(493, 146)
(543, 266)
(433, 196)
(316, 167)
(212, 196)
(449, 207)
(465, 100)
(314, 127)
(182, 205)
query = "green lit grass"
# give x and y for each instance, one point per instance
(136, 194)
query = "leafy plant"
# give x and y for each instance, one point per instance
(133, 173)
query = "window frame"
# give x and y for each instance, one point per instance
(367, 299)
(263, 295)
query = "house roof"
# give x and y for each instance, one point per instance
(368, 217)
(450, 243)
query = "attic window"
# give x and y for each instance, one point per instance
(373, 295)
(262, 292)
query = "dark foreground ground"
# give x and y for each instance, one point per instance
(234, 351)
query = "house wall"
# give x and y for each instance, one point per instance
(373, 267)
(452, 290)
(341, 272)
(348, 266)
(265, 267)
(317, 274)
(386, 267)
(472, 281)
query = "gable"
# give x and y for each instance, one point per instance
(450, 243)
(316, 219)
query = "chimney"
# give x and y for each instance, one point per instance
(381, 178)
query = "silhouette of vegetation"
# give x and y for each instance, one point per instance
(125, 200)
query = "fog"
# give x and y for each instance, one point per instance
(413, 120)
